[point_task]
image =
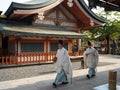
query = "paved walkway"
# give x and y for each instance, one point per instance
(80, 82)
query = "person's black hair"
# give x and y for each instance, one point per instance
(61, 42)
(89, 43)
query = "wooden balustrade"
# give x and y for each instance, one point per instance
(29, 57)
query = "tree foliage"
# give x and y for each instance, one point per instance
(110, 31)
(111, 28)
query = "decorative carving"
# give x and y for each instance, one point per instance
(70, 3)
(91, 23)
(41, 16)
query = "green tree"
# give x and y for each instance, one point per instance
(110, 31)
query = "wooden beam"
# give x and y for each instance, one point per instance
(49, 12)
(64, 13)
(23, 16)
(33, 11)
(70, 21)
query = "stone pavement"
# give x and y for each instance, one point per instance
(12, 73)
(80, 82)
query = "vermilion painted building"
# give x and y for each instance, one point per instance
(36, 26)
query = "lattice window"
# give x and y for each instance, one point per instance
(66, 46)
(11, 47)
(54, 46)
(32, 47)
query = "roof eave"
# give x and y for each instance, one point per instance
(90, 13)
(109, 6)
(22, 6)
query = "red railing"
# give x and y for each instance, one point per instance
(26, 58)
(29, 58)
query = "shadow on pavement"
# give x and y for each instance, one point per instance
(79, 83)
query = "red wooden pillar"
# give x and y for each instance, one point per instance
(79, 44)
(70, 46)
(78, 41)
(46, 56)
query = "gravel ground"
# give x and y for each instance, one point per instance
(12, 73)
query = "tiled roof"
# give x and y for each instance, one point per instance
(33, 4)
(39, 31)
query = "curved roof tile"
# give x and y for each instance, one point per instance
(91, 14)
(34, 4)
(37, 5)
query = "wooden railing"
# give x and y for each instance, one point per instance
(29, 58)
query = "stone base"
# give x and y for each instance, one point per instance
(105, 87)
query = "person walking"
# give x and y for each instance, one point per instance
(63, 66)
(85, 58)
(92, 57)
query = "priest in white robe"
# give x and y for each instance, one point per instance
(92, 57)
(63, 66)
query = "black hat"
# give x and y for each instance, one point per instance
(61, 42)
(89, 43)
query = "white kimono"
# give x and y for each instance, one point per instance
(92, 56)
(85, 60)
(63, 63)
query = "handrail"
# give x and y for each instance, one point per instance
(29, 58)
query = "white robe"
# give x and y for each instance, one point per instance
(85, 60)
(63, 62)
(92, 56)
